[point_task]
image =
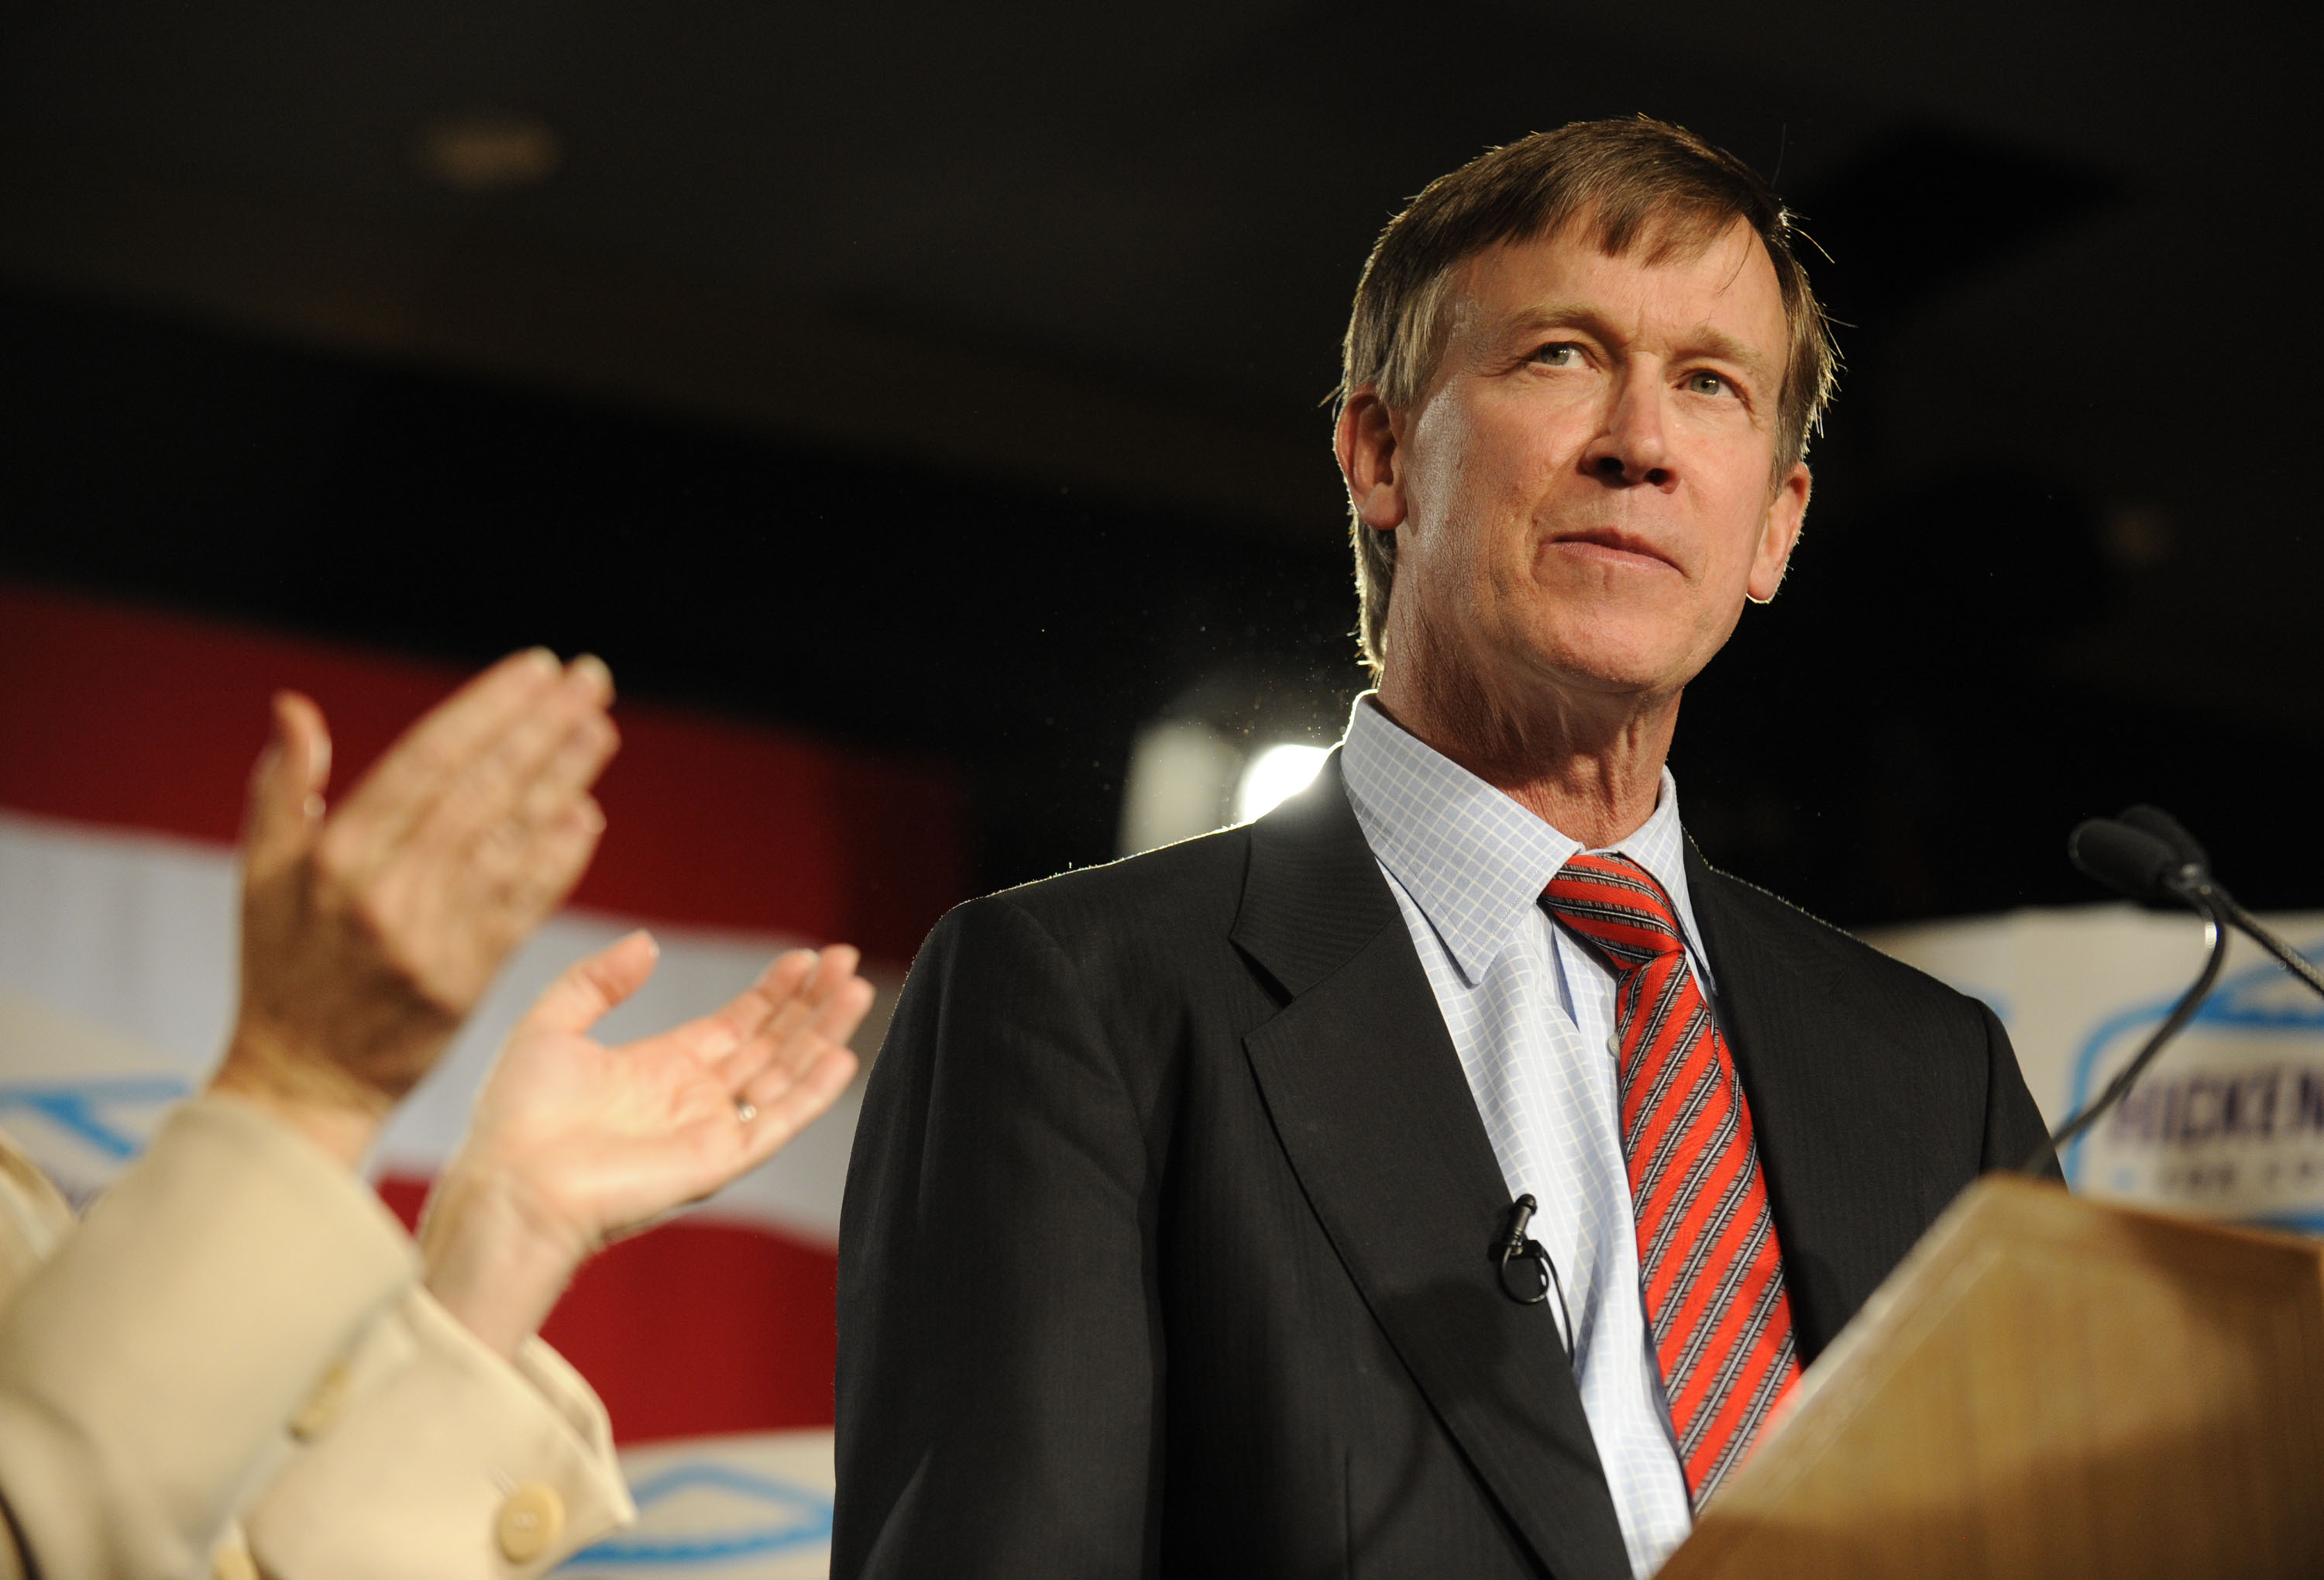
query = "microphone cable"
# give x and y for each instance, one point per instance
(2145, 865)
(2215, 937)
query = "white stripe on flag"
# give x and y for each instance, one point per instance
(124, 942)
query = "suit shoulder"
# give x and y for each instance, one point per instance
(1802, 931)
(1193, 884)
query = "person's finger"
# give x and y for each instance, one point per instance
(829, 969)
(839, 998)
(775, 1058)
(589, 987)
(509, 865)
(834, 963)
(783, 1106)
(555, 858)
(788, 988)
(462, 925)
(569, 770)
(748, 1020)
(846, 1012)
(414, 774)
(787, 985)
(787, 977)
(286, 788)
(735, 1031)
(484, 798)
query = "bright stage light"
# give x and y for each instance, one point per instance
(1274, 776)
(1188, 777)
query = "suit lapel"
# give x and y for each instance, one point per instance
(1367, 1097)
(1833, 1124)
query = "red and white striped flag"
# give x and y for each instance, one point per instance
(126, 740)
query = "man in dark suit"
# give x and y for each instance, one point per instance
(1180, 1234)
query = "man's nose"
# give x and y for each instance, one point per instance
(1629, 447)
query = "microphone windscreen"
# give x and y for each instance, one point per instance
(2161, 824)
(2128, 860)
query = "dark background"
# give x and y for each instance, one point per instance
(947, 381)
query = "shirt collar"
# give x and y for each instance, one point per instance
(1472, 859)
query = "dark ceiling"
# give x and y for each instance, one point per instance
(947, 378)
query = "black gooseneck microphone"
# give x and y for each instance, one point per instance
(2195, 869)
(2147, 855)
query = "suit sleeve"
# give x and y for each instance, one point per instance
(2013, 1126)
(1000, 1345)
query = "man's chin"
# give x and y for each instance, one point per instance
(1611, 661)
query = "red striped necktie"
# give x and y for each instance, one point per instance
(1707, 1252)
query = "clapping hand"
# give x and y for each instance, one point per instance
(574, 1143)
(369, 931)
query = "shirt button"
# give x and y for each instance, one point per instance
(1614, 1045)
(325, 1405)
(530, 1523)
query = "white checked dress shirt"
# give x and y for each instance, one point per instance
(1531, 1013)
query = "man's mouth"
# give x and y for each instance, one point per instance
(1613, 546)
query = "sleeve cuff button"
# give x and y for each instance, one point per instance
(530, 1523)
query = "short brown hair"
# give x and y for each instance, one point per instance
(1634, 182)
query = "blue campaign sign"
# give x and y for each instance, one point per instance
(737, 1514)
(753, 1507)
(2229, 1123)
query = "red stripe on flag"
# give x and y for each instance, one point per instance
(135, 718)
(696, 1328)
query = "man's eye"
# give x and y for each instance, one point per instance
(1706, 384)
(1559, 353)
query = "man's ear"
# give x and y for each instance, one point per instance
(1370, 459)
(1779, 533)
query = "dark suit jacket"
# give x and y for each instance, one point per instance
(1166, 1243)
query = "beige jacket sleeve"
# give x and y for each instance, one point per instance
(146, 1370)
(238, 1327)
(429, 1454)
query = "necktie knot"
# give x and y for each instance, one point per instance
(1614, 903)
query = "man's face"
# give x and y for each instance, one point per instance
(1586, 491)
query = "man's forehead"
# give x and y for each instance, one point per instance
(1723, 278)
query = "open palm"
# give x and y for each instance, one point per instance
(574, 1143)
(600, 1140)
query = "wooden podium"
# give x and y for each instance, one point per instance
(2050, 1387)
